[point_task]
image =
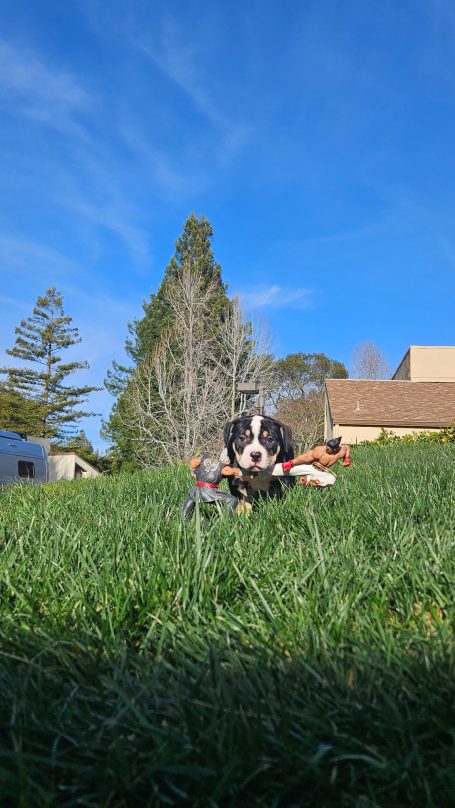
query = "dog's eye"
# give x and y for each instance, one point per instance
(270, 441)
(241, 439)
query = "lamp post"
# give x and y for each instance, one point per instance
(254, 387)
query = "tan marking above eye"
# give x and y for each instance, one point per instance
(247, 432)
(265, 434)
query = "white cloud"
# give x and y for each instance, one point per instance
(275, 296)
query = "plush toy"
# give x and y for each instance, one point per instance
(208, 473)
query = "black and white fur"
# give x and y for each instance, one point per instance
(255, 443)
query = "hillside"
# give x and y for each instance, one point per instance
(302, 657)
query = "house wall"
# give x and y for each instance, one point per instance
(69, 467)
(354, 433)
(328, 422)
(432, 363)
(61, 467)
(403, 371)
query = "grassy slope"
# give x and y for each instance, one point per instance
(302, 657)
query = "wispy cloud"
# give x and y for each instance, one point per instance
(110, 216)
(161, 167)
(276, 297)
(42, 92)
(52, 97)
(13, 303)
(31, 258)
(183, 64)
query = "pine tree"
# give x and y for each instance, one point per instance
(17, 414)
(39, 341)
(81, 445)
(193, 248)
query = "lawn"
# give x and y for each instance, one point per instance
(303, 656)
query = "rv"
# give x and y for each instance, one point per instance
(22, 460)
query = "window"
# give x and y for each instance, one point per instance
(26, 470)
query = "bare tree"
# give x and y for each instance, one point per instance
(180, 396)
(173, 419)
(245, 353)
(176, 399)
(368, 362)
(305, 416)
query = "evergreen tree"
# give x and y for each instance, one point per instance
(39, 341)
(297, 392)
(193, 249)
(298, 374)
(17, 414)
(81, 445)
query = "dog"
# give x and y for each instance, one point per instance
(254, 444)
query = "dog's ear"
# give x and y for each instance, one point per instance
(286, 435)
(227, 432)
(227, 437)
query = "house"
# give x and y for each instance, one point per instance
(427, 363)
(69, 466)
(420, 396)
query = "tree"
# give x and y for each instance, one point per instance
(297, 392)
(81, 445)
(244, 354)
(179, 397)
(17, 414)
(192, 249)
(176, 396)
(305, 416)
(368, 362)
(39, 341)
(297, 374)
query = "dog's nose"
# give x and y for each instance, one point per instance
(256, 456)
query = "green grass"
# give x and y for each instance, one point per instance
(302, 657)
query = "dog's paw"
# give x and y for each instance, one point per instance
(244, 508)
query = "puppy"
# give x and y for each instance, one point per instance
(254, 444)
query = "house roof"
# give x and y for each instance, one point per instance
(391, 403)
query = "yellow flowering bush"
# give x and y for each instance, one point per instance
(387, 436)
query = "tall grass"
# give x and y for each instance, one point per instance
(302, 657)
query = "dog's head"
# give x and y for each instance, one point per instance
(257, 442)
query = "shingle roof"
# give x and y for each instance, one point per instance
(391, 403)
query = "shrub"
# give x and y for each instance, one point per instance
(387, 437)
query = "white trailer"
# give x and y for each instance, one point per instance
(22, 460)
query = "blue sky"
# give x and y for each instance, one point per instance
(317, 137)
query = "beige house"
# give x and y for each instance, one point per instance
(65, 465)
(427, 363)
(420, 396)
(69, 466)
